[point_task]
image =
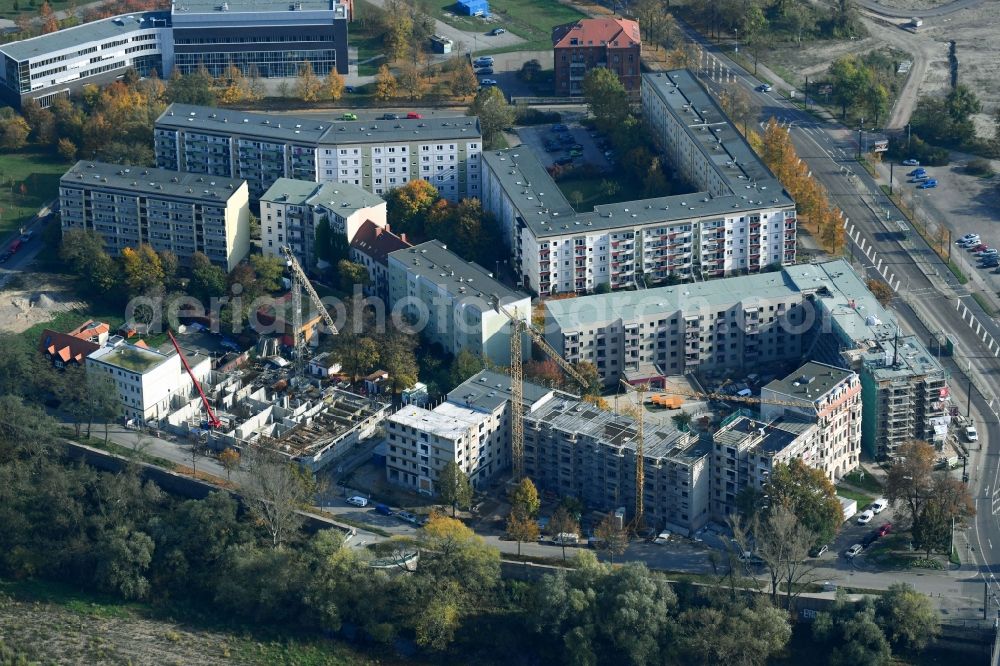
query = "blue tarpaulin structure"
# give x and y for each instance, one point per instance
(473, 7)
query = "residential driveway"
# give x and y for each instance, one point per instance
(507, 65)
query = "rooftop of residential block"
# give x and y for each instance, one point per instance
(811, 381)
(447, 420)
(487, 390)
(901, 358)
(126, 356)
(343, 198)
(602, 31)
(434, 262)
(86, 33)
(151, 181)
(772, 438)
(257, 6)
(305, 130)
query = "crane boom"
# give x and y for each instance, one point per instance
(213, 421)
(300, 275)
(537, 338)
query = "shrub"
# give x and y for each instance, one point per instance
(979, 167)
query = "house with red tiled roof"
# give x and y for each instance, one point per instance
(63, 349)
(95, 331)
(596, 42)
(370, 247)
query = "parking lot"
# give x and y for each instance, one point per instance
(553, 146)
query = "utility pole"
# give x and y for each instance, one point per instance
(891, 165)
(968, 397)
(805, 96)
(907, 136)
(861, 126)
(736, 49)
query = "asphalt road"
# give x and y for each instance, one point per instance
(928, 298)
(941, 10)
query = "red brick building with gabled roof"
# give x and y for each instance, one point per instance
(371, 247)
(596, 42)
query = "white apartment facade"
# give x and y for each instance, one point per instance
(828, 396)
(451, 301)
(147, 380)
(377, 155)
(291, 210)
(740, 220)
(180, 212)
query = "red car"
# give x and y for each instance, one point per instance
(980, 247)
(885, 529)
(413, 116)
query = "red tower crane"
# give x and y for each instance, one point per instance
(213, 422)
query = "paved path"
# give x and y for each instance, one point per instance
(942, 10)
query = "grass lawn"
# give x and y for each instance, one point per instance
(29, 7)
(866, 482)
(862, 499)
(585, 193)
(532, 20)
(39, 175)
(70, 319)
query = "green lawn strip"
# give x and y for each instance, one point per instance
(984, 304)
(27, 181)
(862, 499)
(959, 275)
(70, 319)
(532, 20)
(592, 191)
(866, 482)
(96, 440)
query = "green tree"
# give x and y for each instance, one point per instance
(880, 290)
(66, 149)
(524, 500)
(269, 271)
(465, 365)
(357, 354)
(521, 528)
(103, 400)
(385, 84)
(606, 96)
(851, 635)
(123, 559)
(274, 490)
(83, 252)
(493, 111)
(682, 420)
(207, 279)
(14, 130)
(589, 372)
(463, 80)
(807, 493)
(734, 632)
(351, 273)
(398, 359)
(454, 487)
(452, 553)
(230, 461)
(333, 86)
(195, 88)
(908, 617)
(849, 76)
(754, 30)
(71, 391)
(407, 206)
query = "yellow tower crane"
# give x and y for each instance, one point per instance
(518, 327)
(640, 460)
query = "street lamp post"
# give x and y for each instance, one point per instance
(861, 127)
(736, 49)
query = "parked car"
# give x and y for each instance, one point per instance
(389, 116)
(27, 236)
(988, 252)
(662, 537)
(879, 505)
(971, 434)
(917, 172)
(977, 247)
(487, 82)
(967, 243)
(407, 517)
(764, 87)
(559, 127)
(885, 529)
(817, 551)
(413, 115)
(865, 517)
(349, 116)
(928, 185)
(919, 178)
(991, 261)
(483, 61)
(484, 71)
(566, 539)
(357, 500)
(967, 238)
(853, 551)
(497, 31)
(911, 162)
(383, 509)
(870, 538)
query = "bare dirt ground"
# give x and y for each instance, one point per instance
(34, 298)
(976, 32)
(915, 5)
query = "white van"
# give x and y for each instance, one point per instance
(879, 505)
(566, 539)
(357, 500)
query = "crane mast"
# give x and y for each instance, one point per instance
(301, 282)
(516, 398)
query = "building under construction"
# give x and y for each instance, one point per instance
(300, 419)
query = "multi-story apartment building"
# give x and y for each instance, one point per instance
(740, 220)
(829, 397)
(821, 312)
(180, 212)
(261, 37)
(608, 42)
(450, 301)
(745, 450)
(291, 210)
(905, 395)
(371, 248)
(471, 428)
(377, 155)
(62, 62)
(147, 380)
(577, 450)
(740, 322)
